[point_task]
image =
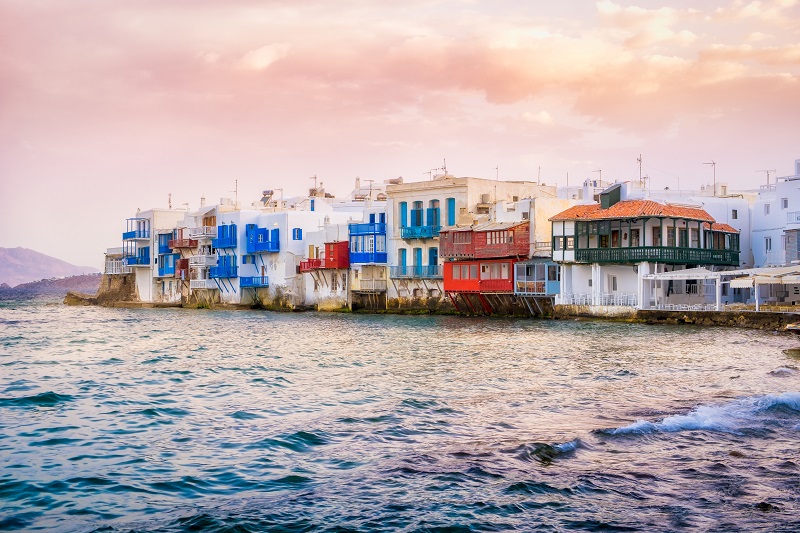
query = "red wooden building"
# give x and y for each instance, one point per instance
(486, 241)
(337, 255)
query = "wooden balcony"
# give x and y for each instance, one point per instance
(660, 254)
(310, 264)
(182, 243)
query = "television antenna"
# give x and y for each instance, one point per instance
(714, 168)
(767, 172)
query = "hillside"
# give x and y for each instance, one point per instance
(85, 283)
(21, 265)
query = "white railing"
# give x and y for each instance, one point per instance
(775, 258)
(370, 285)
(202, 260)
(202, 231)
(117, 266)
(621, 299)
(203, 284)
(793, 217)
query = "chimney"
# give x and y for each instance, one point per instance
(202, 201)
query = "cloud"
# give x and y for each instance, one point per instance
(542, 117)
(262, 58)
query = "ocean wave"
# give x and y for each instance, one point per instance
(45, 399)
(730, 418)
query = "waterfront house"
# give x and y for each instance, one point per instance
(417, 213)
(606, 249)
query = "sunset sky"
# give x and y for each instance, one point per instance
(109, 106)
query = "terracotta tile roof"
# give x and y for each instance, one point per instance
(632, 209)
(721, 227)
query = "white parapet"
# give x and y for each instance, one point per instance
(203, 284)
(203, 260)
(202, 231)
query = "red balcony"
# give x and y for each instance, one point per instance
(479, 276)
(486, 241)
(310, 264)
(182, 268)
(182, 243)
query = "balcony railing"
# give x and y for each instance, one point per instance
(265, 246)
(370, 285)
(420, 232)
(416, 272)
(310, 264)
(496, 285)
(182, 243)
(203, 284)
(136, 234)
(203, 231)
(229, 241)
(203, 260)
(371, 228)
(368, 257)
(253, 281)
(138, 260)
(117, 266)
(228, 271)
(536, 288)
(681, 256)
(793, 217)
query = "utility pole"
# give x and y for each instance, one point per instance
(767, 171)
(599, 175)
(639, 159)
(714, 168)
(497, 173)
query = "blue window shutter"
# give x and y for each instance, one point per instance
(451, 211)
(312, 204)
(372, 218)
(403, 214)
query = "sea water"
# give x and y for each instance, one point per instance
(136, 420)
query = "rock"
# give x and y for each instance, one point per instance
(79, 298)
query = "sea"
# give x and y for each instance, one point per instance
(178, 420)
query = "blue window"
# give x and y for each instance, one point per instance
(297, 234)
(451, 211)
(372, 218)
(382, 218)
(312, 204)
(403, 207)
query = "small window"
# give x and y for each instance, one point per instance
(768, 244)
(297, 234)
(766, 209)
(734, 214)
(784, 203)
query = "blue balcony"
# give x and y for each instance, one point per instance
(368, 257)
(138, 260)
(261, 240)
(164, 271)
(255, 282)
(416, 272)
(374, 228)
(419, 232)
(227, 271)
(226, 267)
(136, 234)
(226, 237)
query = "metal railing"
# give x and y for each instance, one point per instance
(136, 234)
(370, 228)
(182, 243)
(253, 281)
(416, 272)
(419, 232)
(688, 256)
(310, 264)
(117, 266)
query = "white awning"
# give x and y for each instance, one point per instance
(742, 283)
(689, 273)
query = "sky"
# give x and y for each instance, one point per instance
(107, 107)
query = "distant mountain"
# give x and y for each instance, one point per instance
(85, 283)
(21, 265)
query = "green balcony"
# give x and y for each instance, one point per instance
(658, 254)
